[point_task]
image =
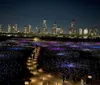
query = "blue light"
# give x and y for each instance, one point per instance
(15, 48)
(98, 47)
(70, 65)
(67, 65)
(61, 54)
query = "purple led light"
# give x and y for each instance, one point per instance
(97, 43)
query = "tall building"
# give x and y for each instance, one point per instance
(90, 31)
(59, 30)
(75, 31)
(16, 28)
(95, 31)
(69, 32)
(29, 28)
(25, 29)
(9, 28)
(0, 27)
(38, 29)
(44, 27)
(86, 31)
(54, 27)
(72, 26)
(13, 29)
(80, 31)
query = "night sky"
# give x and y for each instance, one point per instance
(86, 13)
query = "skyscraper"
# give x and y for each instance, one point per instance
(95, 31)
(16, 28)
(38, 29)
(59, 30)
(90, 31)
(44, 27)
(69, 32)
(72, 26)
(0, 27)
(80, 31)
(86, 31)
(9, 28)
(54, 27)
(29, 28)
(13, 29)
(25, 29)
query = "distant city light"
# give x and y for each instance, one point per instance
(12, 30)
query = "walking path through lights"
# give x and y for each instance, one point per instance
(39, 76)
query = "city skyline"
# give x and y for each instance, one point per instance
(85, 13)
(43, 29)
